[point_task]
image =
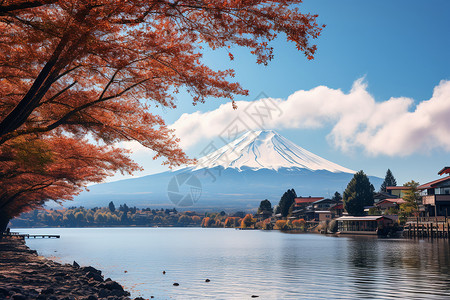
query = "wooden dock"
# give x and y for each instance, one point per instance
(29, 236)
(17, 235)
(429, 227)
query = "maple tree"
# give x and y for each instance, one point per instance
(34, 170)
(71, 69)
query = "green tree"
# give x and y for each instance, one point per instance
(265, 205)
(336, 197)
(412, 198)
(359, 193)
(286, 201)
(112, 207)
(389, 180)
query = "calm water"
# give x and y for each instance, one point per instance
(270, 264)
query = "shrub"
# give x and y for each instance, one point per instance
(299, 224)
(333, 226)
(281, 225)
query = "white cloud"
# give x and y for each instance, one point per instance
(393, 127)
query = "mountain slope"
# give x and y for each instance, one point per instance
(259, 165)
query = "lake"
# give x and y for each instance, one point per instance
(242, 263)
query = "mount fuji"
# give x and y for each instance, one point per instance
(256, 166)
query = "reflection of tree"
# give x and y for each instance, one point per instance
(363, 266)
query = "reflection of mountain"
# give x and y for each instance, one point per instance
(258, 165)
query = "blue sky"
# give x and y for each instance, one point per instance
(377, 50)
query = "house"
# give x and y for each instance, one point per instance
(397, 191)
(304, 209)
(323, 215)
(436, 195)
(303, 213)
(370, 225)
(323, 204)
(381, 196)
(337, 209)
(385, 204)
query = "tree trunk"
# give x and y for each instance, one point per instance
(4, 220)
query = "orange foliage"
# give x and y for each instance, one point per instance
(71, 69)
(35, 170)
(248, 221)
(281, 224)
(298, 223)
(196, 219)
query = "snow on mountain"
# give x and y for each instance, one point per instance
(266, 149)
(258, 165)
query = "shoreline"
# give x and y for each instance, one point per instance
(26, 275)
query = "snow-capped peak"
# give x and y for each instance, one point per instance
(266, 149)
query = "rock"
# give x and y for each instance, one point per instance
(76, 265)
(18, 297)
(95, 276)
(111, 285)
(91, 269)
(207, 280)
(103, 293)
(91, 297)
(176, 284)
(164, 272)
(48, 291)
(255, 296)
(4, 292)
(139, 298)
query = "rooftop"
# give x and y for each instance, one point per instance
(337, 206)
(398, 187)
(432, 183)
(445, 170)
(324, 200)
(302, 200)
(392, 200)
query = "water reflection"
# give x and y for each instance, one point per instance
(271, 265)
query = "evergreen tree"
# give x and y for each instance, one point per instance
(112, 207)
(359, 193)
(389, 180)
(265, 205)
(286, 201)
(337, 197)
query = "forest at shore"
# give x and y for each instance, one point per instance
(131, 216)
